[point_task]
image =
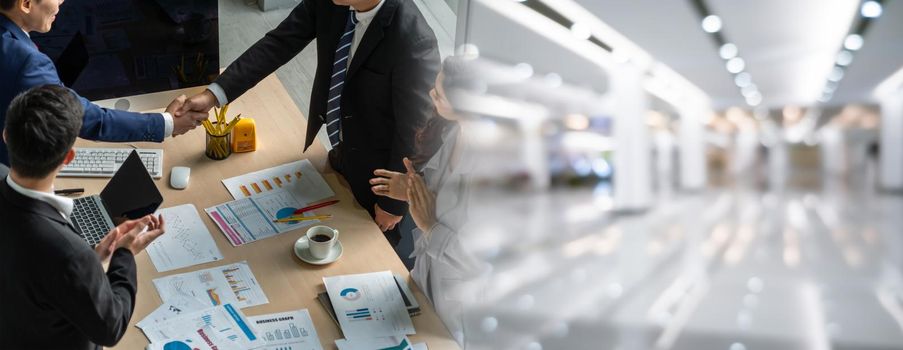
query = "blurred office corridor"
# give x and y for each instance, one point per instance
(684, 175)
(729, 268)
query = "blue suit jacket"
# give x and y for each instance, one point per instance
(23, 67)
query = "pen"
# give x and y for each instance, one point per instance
(303, 218)
(69, 191)
(315, 206)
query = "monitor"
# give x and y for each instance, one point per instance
(146, 50)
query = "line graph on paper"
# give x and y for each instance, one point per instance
(187, 241)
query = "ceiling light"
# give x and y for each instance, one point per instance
(711, 24)
(871, 9)
(754, 100)
(728, 51)
(581, 31)
(853, 42)
(735, 65)
(743, 80)
(844, 58)
(524, 70)
(836, 74)
(746, 91)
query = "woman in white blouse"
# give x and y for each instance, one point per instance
(438, 201)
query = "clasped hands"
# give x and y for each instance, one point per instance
(409, 187)
(130, 235)
(187, 113)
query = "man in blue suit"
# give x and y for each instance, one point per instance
(22, 67)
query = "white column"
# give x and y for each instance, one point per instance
(633, 167)
(891, 162)
(691, 143)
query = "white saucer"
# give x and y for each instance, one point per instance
(302, 251)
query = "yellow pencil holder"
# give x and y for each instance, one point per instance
(219, 147)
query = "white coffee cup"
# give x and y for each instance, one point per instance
(319, 246)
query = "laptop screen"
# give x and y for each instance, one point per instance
(131, 193)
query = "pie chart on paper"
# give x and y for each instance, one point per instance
(285, 212)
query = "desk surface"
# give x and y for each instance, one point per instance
(288, 283)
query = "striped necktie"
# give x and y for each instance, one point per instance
(337, 82)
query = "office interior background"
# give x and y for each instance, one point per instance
(667, 174)
(699, 174)
(707, 174)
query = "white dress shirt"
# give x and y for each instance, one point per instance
(364, 19)
(62, 204)
(443, 267)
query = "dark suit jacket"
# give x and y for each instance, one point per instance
(23, 67)
(55, 294)
(385, 99)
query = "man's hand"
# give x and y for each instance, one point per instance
(135, 240)
(422, 203)
(183, 121)
(390, 184)
(107, 245)
(201, 102)
(384, 220)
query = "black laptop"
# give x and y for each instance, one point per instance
(130, 194)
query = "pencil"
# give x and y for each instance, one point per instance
(315, 206)
(303, 218)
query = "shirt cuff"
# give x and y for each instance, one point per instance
(168, 124)
(220, 94)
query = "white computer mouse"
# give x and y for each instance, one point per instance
(179, 176)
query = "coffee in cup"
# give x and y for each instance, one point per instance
(321, 240)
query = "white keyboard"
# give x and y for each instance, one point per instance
(103, 162)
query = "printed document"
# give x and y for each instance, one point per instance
(187, 241)
(171, 308)
(249, 219)
(230, 284)
(301, 178)
(368, 306)
(287, 330)
(225, 323)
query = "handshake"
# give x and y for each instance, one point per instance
(187, 113)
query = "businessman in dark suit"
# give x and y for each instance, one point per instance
(377, 60)
(23, 66)
(55, 292)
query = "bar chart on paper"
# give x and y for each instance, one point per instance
(250, 219)
(301, 178)
(291, 330)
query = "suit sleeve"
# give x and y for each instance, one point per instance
(272, 51)
(412, 81)
(99, 124)
(99, 305)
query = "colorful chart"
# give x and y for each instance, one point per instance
(285, 212)
(359, 315)
(176, 345)
(214, 298)
(350, 294)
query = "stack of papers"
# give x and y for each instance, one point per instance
(230, 284)
(369, 306)
(409, 301)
